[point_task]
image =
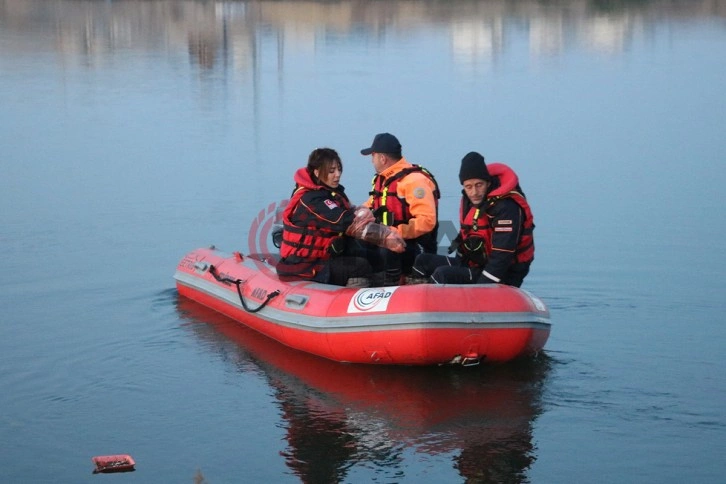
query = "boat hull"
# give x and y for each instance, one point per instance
(422, 324)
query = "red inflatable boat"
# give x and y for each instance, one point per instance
(423, 324)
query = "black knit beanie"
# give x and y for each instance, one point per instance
(473, 166)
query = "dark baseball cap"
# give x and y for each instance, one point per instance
(383, 143)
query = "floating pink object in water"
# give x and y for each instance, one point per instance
(113, 463)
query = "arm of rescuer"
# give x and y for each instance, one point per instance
(320, 210)
(506, 222)
(418, 191)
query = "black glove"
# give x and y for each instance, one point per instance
(337, 247)
(455, 244)
(473, 251)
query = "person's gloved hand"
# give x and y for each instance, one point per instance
(363, 216)
(383, 236)
(454, 247)
(394, 242)
(472, 251)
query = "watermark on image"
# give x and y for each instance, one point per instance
(265, 233)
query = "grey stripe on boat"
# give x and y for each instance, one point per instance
(374, 321)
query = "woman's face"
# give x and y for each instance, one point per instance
(330, 174)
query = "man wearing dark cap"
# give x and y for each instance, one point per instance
(495, 242)
(405, 197)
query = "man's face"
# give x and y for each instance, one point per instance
(379, 162)
(476, 189)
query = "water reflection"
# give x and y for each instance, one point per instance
(234, 33)
(339, 416)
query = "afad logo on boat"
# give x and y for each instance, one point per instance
(371, 300)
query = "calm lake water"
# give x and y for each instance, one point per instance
(132, 132)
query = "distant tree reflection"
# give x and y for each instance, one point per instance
(230, 32)
(203, 49)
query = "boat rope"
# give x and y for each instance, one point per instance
(238, 284)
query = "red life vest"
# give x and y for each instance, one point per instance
(395, 206)
(476, 231)
(307, 242)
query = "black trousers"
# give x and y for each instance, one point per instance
(444, 270)
(451, 270)
(358, 260)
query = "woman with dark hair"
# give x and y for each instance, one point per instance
(319, 225)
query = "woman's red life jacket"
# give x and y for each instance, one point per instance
(307, 241)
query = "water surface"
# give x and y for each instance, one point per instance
(133, 132)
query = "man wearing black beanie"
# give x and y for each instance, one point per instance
(473, 167)
(495, 242)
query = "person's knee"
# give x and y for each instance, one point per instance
(391, 260)
(439, 275)
(422, 265)
(362, 267)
